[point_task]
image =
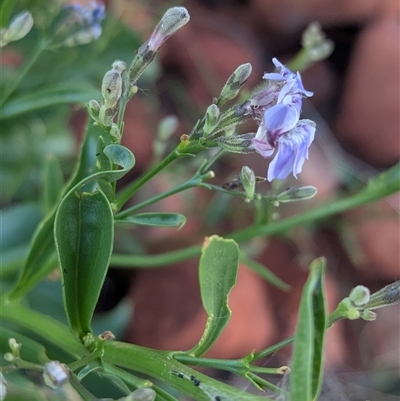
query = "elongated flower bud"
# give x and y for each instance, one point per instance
(111, 87)
(234, 83)
(19, 27)
(294, 194)
(238, 143)
(248, 181)
(172, 20)
(211, 119)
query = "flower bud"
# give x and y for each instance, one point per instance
(172, 20)
(368, 315)
(359, 296)
(294, 194)
(3, 387)
(19, 27)
(94, 109)
(211, 119)
(111, 87)
(315, 42)
(237, 143)
(14, 346)
(388, 295)
(234, 83)
(55, 374)
(167, 127)
(248, 180)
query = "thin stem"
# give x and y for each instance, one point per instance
(365, 196)
(85, 360)
(182, 187)
(9, 89)
(131, 189)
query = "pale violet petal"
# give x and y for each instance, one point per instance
(279, 119)
(262, 148)
(282, 164)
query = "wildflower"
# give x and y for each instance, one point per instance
(278, 109)
(83, 23)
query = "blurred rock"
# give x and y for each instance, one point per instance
(369, 119)
(287, 16)
(377, 235)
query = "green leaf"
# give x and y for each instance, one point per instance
(63, 93)
(5, 12)
(155, 219)
(264, 272)
(42, 255)
(84, 236)
(218, 269)
(307, 365)
(53, 182)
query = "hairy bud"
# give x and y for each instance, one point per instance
(234, 83)
(19, 27)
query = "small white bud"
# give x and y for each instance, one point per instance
(111, 87)
(248, 180)
(359, 296)
(293, 194)
(55, 374)
(19, 27)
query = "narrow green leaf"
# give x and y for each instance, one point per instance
(84, 235)
(155, 219)
(42, 251)
(41, 257)
(63, 93)
(53, 182)
(307, 364)
(218, 269)
(6, 7)
(264, 272)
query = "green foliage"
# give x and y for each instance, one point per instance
(83, 232)
(307, 364)
(64, 230)
(217, 275)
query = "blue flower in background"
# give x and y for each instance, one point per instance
(281, 129)
(84, 22)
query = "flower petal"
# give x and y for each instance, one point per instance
(278, 120)
(282, 164)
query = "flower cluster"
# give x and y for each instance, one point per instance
(277, 109)
(84, 21)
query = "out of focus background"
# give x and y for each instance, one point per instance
(356, 105)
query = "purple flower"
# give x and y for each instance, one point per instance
(83, 24)
(280, 129)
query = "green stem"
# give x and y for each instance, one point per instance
(131, 189)
(182, 187)
(380, 187)
(158, 364)
(85, 360)
(9, 89)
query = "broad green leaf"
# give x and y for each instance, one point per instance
(53, 182)
(42, 256)
(264, 272)
(155, 219)
(218, 269)
(84, 235)
(48, 97)
(307, 364)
